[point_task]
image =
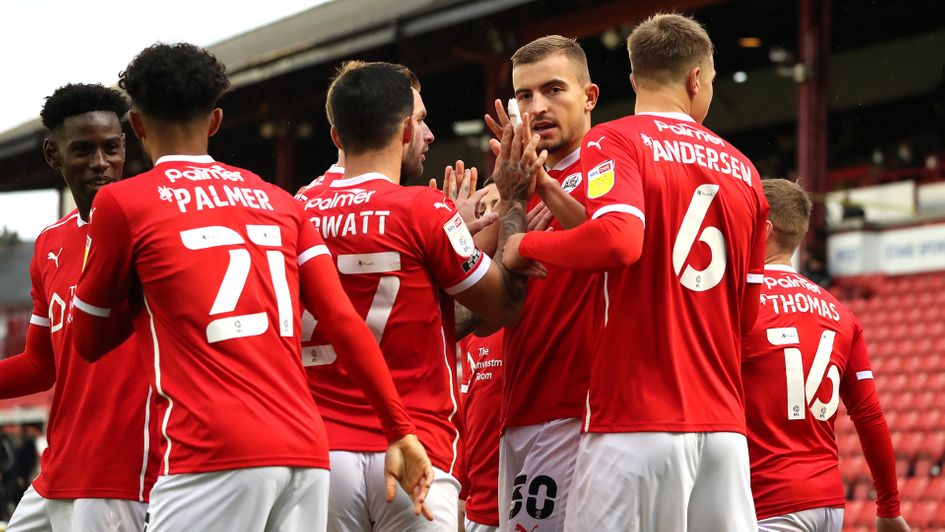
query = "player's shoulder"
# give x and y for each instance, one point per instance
(66, 224)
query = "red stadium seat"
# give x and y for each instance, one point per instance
(848, 444)
(936, 381)
(911, 362)
(917, 382)
(933, 445)
(935, 488)
(922, 513)
(909, 444)
(923, 466)
(912, 489)
(930, 420)
(906, 421)
(857, 513)
(925, 399)
(854, 468)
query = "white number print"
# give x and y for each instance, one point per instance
(381, 305)
(801, 393)
(234, 280)
(691, 278)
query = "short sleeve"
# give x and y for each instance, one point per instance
(109, 268)
(454, 259)
(613, 180)
(756, 264)
(40, 316)
(310, 243)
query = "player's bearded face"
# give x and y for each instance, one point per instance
(411, 166)
(90, 153)
(550, 91)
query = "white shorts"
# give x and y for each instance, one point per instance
(37, 514)
(656, 481)
(536, 466)
(472, 526)
(270, 499)
(813, 520)
(358, 504)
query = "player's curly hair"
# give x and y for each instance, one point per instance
(177, 82)
(79, 98)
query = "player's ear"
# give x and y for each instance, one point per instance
(216, 120)
(592, 92)
(692, 81)
(769, 229)
(336, 139)
(137, 124)
(633, 83)
(408, 130)
(51, 153)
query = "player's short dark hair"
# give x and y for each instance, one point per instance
(667, 46)
(80, 98)
(368, 101)
(354, 64)
(550, 45)
(178, 82)
(790, 212)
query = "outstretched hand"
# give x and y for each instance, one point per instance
(407, 463)
(518, 162)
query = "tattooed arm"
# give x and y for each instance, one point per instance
(499, 295)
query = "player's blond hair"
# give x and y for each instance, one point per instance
(790, 212)
(549, 45)
(666, 47)
(354, 64)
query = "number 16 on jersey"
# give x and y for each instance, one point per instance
(801, 392)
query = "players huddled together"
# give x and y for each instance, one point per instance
(226, 357)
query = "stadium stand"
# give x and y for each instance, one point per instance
(904, 321)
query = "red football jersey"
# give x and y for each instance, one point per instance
(102, 432)
(400, 251)
(216, 250)
(804, 355)
(320, 183)
(548, 351)
(482, 398)
(670, 349)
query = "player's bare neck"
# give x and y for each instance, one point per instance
(385, 162)
(660, 101)
(778, 258)
(175, 139)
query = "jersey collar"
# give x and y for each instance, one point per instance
(569, 160)
(677, 116)
(335, 169)
(780, 268)
(184, 159)
(357, 180)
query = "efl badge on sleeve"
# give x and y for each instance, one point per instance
(600, 179)
(459, 236)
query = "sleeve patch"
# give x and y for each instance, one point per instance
(600, 179)
(459, 236)
(862, 375)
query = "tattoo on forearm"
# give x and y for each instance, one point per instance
(511, 220)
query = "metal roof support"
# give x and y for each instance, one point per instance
(814, 18)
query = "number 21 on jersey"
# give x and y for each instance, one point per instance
(237, 273)
(801, 392)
